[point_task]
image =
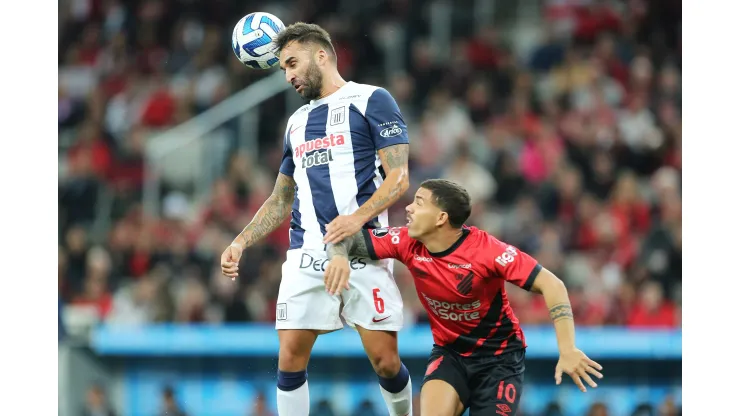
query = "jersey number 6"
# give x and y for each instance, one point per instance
(379, 304)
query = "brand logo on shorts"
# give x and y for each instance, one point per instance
(376, 320)
(281, 312)
(319, 265)
(503, 409)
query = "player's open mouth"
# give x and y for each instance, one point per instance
(298, 87)
(408, 220)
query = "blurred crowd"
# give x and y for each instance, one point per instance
(571, 151)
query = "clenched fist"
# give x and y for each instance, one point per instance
(230, 261)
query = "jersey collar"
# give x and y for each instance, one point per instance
(329, 97)
(453, 247)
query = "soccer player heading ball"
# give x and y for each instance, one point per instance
(345, 161)
(477, 361)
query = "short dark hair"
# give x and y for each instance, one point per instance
(450, 198)
(304, 33)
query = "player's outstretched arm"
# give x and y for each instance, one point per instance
(395, 162)
(573, 361)
(336, 275)
(272, 213)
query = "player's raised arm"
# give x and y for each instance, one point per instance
(572, 360)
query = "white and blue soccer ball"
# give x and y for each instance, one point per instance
(253, 38)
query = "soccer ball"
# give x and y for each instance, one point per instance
(253, 37)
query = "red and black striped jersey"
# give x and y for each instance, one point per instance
(462, 288)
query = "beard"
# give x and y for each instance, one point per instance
(313, 81)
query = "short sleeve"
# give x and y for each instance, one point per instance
(387, 243)
(287, 166)
(513, 265)
(387, 127)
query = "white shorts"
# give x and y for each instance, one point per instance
(373, 300)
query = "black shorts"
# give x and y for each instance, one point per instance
(488, 385)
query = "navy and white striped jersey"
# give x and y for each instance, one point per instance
(330, 150)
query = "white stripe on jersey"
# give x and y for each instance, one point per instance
(342, 171)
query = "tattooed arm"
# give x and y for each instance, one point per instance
(395, 162)
(336, 275)
(573, 361)
(353, 245)
(272, 213)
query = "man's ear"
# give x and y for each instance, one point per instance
(322, 57)
(442, 218)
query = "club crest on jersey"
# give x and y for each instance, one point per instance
(465, 285)
(337, 116)
(320, 157)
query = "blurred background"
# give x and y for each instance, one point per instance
(561, 117)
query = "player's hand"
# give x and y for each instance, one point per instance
(342, 227)
(230, 261)
(578, 366)
(336, 276)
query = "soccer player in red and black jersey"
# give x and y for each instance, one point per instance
(477, 361)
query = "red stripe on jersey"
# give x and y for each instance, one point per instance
(517, 331)
(489, 336)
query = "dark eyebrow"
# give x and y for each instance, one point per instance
(287, 61)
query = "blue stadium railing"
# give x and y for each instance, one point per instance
(261, 340)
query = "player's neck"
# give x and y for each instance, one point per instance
(331, 85)
(442, 240)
